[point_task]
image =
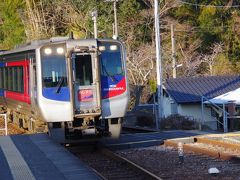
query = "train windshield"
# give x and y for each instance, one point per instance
(111, 59)
(54, 66)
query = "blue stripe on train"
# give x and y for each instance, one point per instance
(50, 93)
(1, 92)
(2, 64)
(109, 81)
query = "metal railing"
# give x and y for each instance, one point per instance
(5, 124)
(225, 114)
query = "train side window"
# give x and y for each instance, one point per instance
(5, 78)
(1, 78)
(20, 85)
(14, 81)
(10, 79)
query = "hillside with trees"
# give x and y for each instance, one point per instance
(207, 33)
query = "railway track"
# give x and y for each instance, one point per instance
(216, 148)
(110, 165)
(131, 130)
(164, 162)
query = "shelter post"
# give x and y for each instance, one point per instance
(225, 124)
(202, 114)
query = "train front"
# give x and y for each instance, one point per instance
(114, 86)
(83, 84)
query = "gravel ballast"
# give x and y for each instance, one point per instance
(164, 162)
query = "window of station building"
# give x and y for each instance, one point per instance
(12, 79)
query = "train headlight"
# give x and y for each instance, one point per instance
(113, 47)
(102, 48)
(60, 50)
(48, 51)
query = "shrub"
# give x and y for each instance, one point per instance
(178, 122)
(144, 120)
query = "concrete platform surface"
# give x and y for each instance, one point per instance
(147, 139)
(30, 157)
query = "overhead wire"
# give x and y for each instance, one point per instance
(200, 29)
(196, 29)
(209, 5)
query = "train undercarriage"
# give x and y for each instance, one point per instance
(79, 128)
(87, 127)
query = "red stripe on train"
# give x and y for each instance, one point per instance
(24, 97)
(115, 90)
(17, 96)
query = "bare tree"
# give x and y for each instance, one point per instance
(193, 62)
(44, 19)
(191, 59)
(165, 5)
(38, 20)
(141, 64)
(164, 9)
(210, 59)
(146, 53)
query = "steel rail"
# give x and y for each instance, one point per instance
(112, 156)
(210, 152)
(226, 145)
(131, 164)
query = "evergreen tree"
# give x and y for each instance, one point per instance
(11, 27)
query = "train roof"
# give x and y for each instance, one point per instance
(36, 44)
(33, 45)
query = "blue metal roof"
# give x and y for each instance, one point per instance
(191, 89)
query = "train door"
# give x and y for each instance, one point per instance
(33, 91)
(85, 85)
(33, 80)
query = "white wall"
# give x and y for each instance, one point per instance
(193, 111)
(167, 106)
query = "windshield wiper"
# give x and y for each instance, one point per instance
(60, 84)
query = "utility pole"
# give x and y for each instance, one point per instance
(174, 66)
(115, 35)
(94, 18)
(115, 18)
(158, 64)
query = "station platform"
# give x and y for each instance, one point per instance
(37, 157)
(131, 140)
(147, 139)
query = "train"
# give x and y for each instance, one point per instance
(77, 84)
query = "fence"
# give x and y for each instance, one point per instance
(5, 124)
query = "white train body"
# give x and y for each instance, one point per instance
(82, 83)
